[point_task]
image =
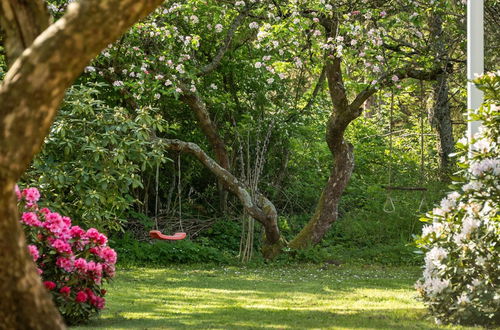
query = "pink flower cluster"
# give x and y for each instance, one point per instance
(72, 261)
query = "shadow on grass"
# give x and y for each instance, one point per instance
(230, 318)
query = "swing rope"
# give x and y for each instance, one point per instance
(156, 234)
(157, 199)
(179, 190)
(422, 155)
(389, 203)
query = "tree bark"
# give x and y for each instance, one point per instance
(343, 161)
(22, 22)
(260, 208)
(440, 117)
(209, 128)
(30, 95)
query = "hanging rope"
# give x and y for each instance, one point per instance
(157, 199)
(422, 140)
(179, 189)
(389, 203)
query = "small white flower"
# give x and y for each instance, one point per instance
(118, 83)
(270, 80)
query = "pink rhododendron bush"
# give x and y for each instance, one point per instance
(72, 262)
(461, 279)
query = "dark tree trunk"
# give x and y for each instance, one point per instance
(441, 121)
(440, 115)
(30, 95)
(209, 128)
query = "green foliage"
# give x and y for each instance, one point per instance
(461, 278)
(223, 235)
(163, 253)
(93, 158)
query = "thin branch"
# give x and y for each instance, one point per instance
(225, 46)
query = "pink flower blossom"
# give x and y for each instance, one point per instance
(76, 232)
(108, 255)
(31, 219)
(81, 264)
(49, 285)
(66, 263)
(31, 194)
(18, 192)
(92, 234)
(65, 290)
(81, 297)
(34, 252)
(102, 239)
(61, 246)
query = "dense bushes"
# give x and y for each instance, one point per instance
(72, 262)
(161, 253)
(94, 157)
(461, 279)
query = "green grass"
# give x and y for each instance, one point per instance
(264, 297)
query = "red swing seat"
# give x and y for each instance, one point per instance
(156, 234)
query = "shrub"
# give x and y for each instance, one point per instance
(72, 262)
(95, 157)
(461, 278)
(162, 253)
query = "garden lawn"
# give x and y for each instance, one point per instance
(264, 297)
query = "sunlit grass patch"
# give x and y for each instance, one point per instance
(268, 297)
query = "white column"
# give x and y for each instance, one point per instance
(475, 57)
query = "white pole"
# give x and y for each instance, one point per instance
(475, 57)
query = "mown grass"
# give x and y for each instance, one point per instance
(264, 297)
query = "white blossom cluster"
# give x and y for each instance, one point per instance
(461, 277)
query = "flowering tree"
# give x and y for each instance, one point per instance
(462, 240)
(42, 66)
(258, 55)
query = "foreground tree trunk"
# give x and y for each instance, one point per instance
(260, 208)
(30, 95)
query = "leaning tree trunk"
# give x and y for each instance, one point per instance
(258, 207)
(343, 160)
(30, 95)
(209, 128)
(326, 211)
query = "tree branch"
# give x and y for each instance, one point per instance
(35, 84)
(225, 46)
(260, 208)
(386, 81)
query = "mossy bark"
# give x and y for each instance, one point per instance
(30, 95)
